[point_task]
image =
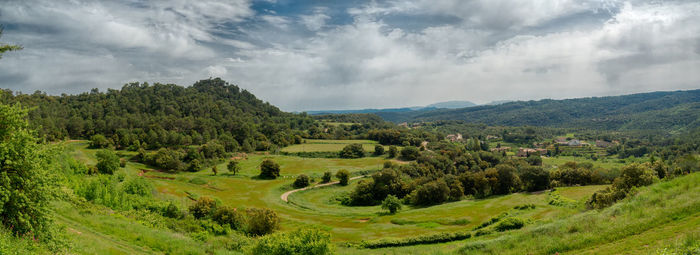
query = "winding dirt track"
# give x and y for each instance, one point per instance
(286, 194)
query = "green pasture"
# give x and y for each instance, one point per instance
(312, 145)
(320, 207)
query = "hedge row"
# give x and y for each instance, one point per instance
(423, 239)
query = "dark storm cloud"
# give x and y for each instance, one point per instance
(303, 55)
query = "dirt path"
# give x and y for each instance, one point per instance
(286, 194)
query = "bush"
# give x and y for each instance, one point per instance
(171, 211)
(138, 186)
(262, 221)
(99, 142)
(107, 161)
(392, 151)
(301, 241)
(391, 203)
(354, 150)
(225, 215)
(416, 240)
(203, 207)
(431, 193)
(343, 177)
(326, 177)
(269, 169)
(302, 181)
(509, 223)
(378, 150)
(534, 178)
(410, 153)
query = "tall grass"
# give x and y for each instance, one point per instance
(653, 206)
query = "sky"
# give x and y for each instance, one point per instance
(321, 55)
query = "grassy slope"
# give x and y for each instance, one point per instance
(312, 145)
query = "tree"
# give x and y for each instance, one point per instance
(269, 169)
(378, 150)
(534, 178)
(225, 215)
(107, 161)
(391, 203)
(343, 177)
(214, 170)
(233, 167)
(431, 193)
(203, 207)
(7, 47)
(26, 185)
(410, 153)
(354, 150)
(392, 151)
(326, 177)
(99, 141)
(302, 181)
(262, 221)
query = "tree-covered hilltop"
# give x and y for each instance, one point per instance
(164, 115)
(677, 110)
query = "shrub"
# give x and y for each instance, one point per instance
(391, 203)
(138, 186)
(301, 241)
(225, 215)
(203, 207)
(416, 240)
(392, 151)
(431, 193)
(343, 177)
(354, 150)
(378, 150)
(302, 181)
(410, 153)
(107, 161)
(262, 221)
(171, 211)
(326, 177)
(534, 178)
(99, 141)
(509, 223)
(269, 169)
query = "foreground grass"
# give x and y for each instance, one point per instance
(637, 218)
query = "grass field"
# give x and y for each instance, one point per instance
(319, 208)
(312, 145)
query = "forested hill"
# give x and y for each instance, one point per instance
(677, 110)
(163, 115)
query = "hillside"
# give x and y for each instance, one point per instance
(162, 115)
(677, 110)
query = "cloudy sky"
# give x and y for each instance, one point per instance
(311, 55)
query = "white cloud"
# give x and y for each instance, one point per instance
(492, 52)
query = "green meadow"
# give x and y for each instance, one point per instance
(312, 145)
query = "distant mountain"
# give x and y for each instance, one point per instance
(452, 104)
(497, 102)
(390, 111)
(672, 111)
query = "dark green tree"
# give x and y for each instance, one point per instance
(354, 150)
(343, 177)
(410, 153)
(269, 169)
(392, 151)
(262, 221)
(378, 150)
(302, 181)
(326, 177)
